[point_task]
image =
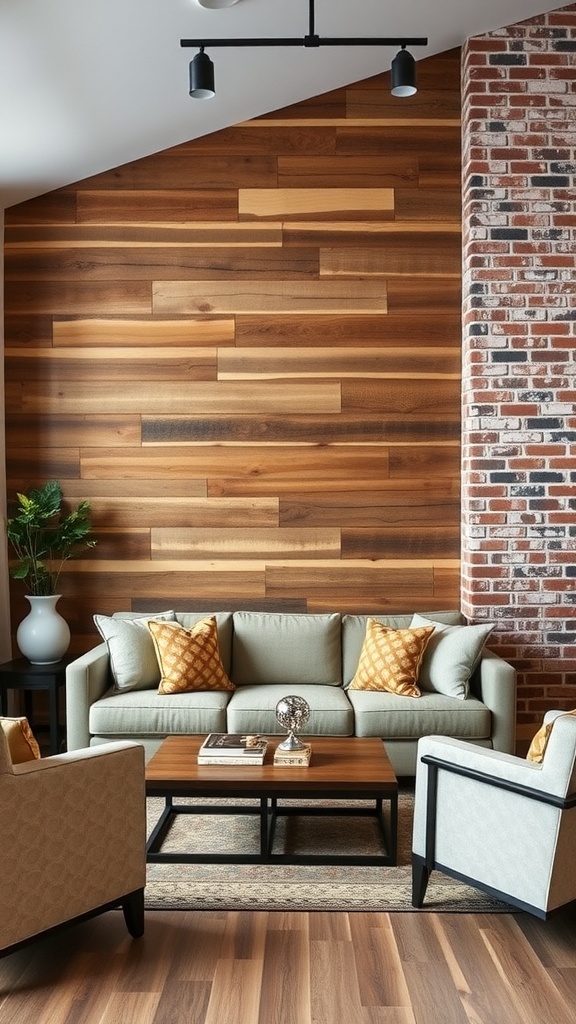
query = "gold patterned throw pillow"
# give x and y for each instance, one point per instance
(539, 743)
(189, 659)
(21, 740)
(390, 659)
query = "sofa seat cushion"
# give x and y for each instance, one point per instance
(146, 712)
(253, 709)
(403, 718)
(286, 649)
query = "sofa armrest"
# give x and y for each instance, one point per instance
(87, 679)
(497, 690)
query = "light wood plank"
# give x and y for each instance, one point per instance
(265, 297)
(184, 514)
(235, 993)
(315, 202)
(171, 397)
(285, 993)
(140, 333)
(245, 542)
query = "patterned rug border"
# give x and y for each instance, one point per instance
(298, 888)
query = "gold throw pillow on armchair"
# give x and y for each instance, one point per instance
(21, 741)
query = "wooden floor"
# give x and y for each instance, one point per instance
(258, 968)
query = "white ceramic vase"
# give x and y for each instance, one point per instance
(43, 636)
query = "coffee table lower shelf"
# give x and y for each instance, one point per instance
(268, 810)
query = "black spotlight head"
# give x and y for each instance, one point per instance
(201, 76)
(403, 74)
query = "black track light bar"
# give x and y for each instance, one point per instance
(311, 39)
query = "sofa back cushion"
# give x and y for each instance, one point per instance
(269, 647)
(224, 627)
(354, 631)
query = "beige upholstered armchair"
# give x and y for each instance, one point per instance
(501, 823)
(72, 839)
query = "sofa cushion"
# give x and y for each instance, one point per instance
(390, 659)
(286, 649)
(189, 659)
(253, 709)
(451, 656)
(133, 661)
(402, 718)
(354, 631)
(148, 713)
(224, 623)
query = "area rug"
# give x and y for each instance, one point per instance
(289, 887)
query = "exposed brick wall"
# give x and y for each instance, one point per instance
(519, 349)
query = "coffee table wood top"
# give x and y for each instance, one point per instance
(339, 763)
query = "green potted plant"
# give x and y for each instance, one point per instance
(44, 535)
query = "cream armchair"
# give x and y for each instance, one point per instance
(72, 839)
(501, 823)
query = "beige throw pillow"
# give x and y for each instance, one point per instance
(451, 656)
(189, 659)
(132, 656)
(390, 659)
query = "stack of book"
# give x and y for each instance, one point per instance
(232, 748)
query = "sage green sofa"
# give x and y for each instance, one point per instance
(268, 655)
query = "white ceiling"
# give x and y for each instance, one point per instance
(86, 86)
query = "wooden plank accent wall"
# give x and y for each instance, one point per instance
(245, 353)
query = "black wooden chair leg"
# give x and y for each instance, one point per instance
(420, 876)
(133, 907)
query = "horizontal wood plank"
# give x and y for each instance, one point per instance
(78, 297)
(345, 171)
(54, 397)
(167, 333)
(133, 263)
(246, 542)
(263, 297)
(316, 203)
(346, 428)
(183, 515)
(112, 364)
(341, 363)
(146, 233)
(291, 330)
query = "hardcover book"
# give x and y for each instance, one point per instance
(232, 748)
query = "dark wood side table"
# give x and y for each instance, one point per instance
(21, 674)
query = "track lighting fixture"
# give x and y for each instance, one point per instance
(403, 65)
(403, 74)
(201, 76)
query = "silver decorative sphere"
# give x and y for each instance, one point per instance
(292, 712)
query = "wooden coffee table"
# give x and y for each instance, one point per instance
(342, 768)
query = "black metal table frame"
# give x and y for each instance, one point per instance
(268, 810)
